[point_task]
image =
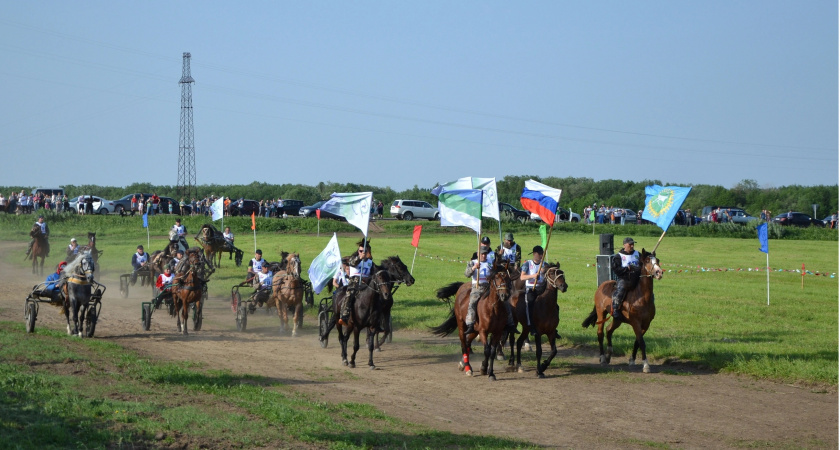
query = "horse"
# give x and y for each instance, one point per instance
(365, 314)
(190, 281)
(91, 246)
(545, 317)
(214, 244)
(398, 272)
(287, 292)
(39, 248)
(491, 315)
(637, 309)
(77, 291)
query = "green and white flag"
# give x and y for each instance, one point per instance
(355, 207)
(490, 200)
(325, 265)
(461, 207)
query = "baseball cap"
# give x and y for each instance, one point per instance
(537, 249)
(629, 240)
(72, 239)
(485, 240)
(508, 236)
(484, 249)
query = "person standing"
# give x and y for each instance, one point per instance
(626, 266)
(89, 204)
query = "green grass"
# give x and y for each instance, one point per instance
(711, 311)
(60, 392)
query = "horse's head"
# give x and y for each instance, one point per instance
(36, 231)
(650, 265)
(555, 277)
(499, 279)
(397, 270)
(82, 266)
(92, 239)
(293, 264)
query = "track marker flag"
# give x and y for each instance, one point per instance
(415, 241)
(146, 226)
(145, 221)
(762, 239)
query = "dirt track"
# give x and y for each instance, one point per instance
(577, 406)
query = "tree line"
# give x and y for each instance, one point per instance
(577, 193)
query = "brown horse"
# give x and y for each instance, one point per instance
(214, 244)
(637, 309)
(190, 282)
(545, 316)
(39, 248)
(287, 292)
(492, 317)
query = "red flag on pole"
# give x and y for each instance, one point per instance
(253, 222)
(416, 240)
(318, 213)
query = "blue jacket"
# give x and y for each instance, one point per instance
(51, 280)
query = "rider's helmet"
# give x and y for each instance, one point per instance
(485, 240)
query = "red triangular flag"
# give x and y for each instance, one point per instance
(318, 213)
(416, 240)
(253, 222)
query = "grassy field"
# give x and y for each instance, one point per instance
(711, 304)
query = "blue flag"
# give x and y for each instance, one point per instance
(762, 238)
(146, 220)
(663, 203)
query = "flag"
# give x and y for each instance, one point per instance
(355, 207)
(541, 200)
(662, 204)
(762, 238)
(325, 265)
(461, 207)
(318, 213)
(146, 220)
(217, 209)
(490, 202)
(543, 236)
(253, 222)
(415, 241)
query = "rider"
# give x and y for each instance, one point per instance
(341, 275)
(255, 265)
(164, 285)
(72, 249)
(45, 230)
(138, 261)
(361, 264)
(510, 250)
(477, 269)
(490, 256)
(180, 231)
(53, 284)
(534, 277)
(176, 260)
(626, 266)
(265, 278)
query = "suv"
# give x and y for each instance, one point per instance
(248, 207)
(797, 219)
(409, 209)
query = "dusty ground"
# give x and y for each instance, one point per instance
(576, 406)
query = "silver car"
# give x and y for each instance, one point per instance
(100, 205)
(411, 209)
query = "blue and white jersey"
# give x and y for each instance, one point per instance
(363, 268)
(509, 254)
(530, 268)
(256, 265)
(179, 230)
(480, 276)
(265, 279)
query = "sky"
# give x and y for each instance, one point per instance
(404, 94)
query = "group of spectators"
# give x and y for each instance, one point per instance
(607, 214)
(23, 203)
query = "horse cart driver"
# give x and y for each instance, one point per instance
(138, 261)
(625, 265)
(177, 234)
(53, 285)
(265, 278)
(164, 284)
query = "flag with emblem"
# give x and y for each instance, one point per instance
(355, 207)
(663, 203)
(325, 265)
(490, 198)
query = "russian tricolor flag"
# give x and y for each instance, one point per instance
(541, 200)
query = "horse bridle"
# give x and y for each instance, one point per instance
(553, 280)
(655, 263)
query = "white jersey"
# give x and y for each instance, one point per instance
(164, 280)
(482, 272)
(141, 258)
(630, 260)
(340, 278)
(265, 279)
(363, 268)
(530, 268)
(509, 254)
(257, 265)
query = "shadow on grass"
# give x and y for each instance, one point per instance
(435, 439)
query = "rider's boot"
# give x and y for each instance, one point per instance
(344, 319)
(616, 309)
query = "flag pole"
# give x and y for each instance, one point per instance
(768, 277)
(657, 242)
(414, 259)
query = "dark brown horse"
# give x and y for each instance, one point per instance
(91, 246)
(637, 309)
(287, 292)
(214, 244)
(39, 248)
(492, 317)
(190, 280)
(545, 315)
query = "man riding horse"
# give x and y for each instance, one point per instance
(625, 264)
(361, 264)
(45, 231)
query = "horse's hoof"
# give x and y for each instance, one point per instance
(378, 349)
(492, 377)
(520, 369)
(646, 368)
(604, 360)
(540, 375)
(526, 346)
(631, 362)
(372, 367)
(352, 365)
(500, 357)
(461, 366)
(345, 363)
(468, 373)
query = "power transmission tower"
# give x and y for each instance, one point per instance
(186, 148)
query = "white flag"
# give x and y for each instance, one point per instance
(490, 206)
(325, 265)
(217, 209)
(355, 207)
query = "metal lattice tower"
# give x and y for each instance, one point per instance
(186, 149)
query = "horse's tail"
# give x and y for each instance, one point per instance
(591, 320)
(449, 290)
(447, 327)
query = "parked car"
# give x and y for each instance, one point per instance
(562, 215)
(741, 216)
(507, 210)
(100, 205)
(123, 205)
(733, 212)
(290, 208)
(797, 219)
(247, 207)
(411, 209)
(310, 211)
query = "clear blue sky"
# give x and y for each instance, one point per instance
(415, 93)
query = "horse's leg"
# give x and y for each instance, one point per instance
(464, 364)
(75, 304)
(370, 339)
(552, 340)
(355, 347)
(519, 342)
(610, 331)
(185, 314)
(487, 350)
(67, 306)
(343, 340)
(604, 359)
(298, 319)
(511, 337)
(640, 344)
